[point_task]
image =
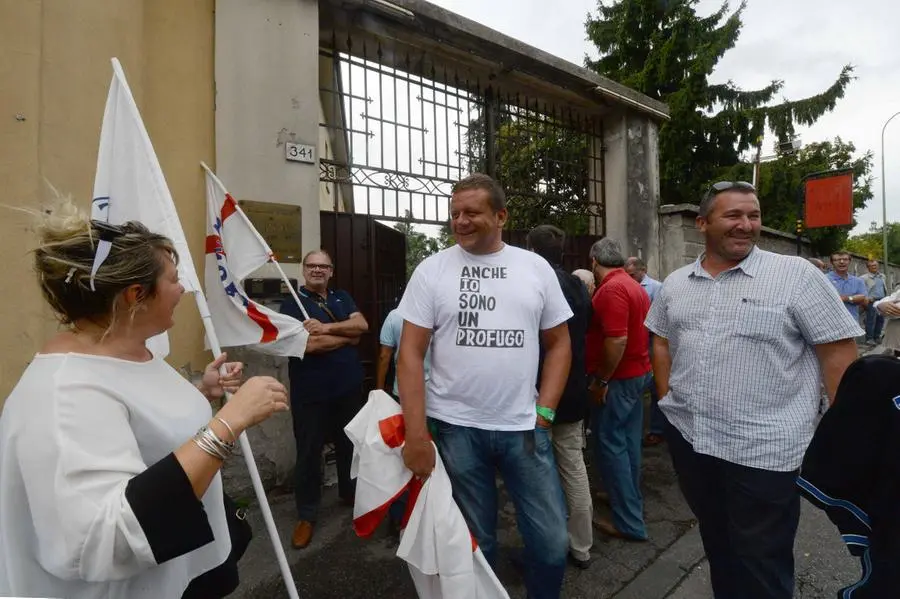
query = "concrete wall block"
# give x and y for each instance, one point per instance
(693, 234)
(671, 245)
(693, 249)
(615, 175)
(680, 243)
(272, 441)
(777, 245)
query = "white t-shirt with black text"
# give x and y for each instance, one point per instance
(486, 313)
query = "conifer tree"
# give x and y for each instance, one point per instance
(663, 49)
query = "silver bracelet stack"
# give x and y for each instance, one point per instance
(207, 440)
(228, 426)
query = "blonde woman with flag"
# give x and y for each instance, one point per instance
(109, 459)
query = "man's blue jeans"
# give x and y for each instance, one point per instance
(619, 424)
(525, 460)
(874, 322)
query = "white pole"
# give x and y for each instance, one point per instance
(756, 161)
(884, 227)
(251, 463)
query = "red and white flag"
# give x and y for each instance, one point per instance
(234, 249)
(444, 560)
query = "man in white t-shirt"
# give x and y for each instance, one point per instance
(486, 307)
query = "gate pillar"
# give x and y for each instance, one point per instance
(631, 165)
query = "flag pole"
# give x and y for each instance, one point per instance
(262, 242)
(248, 458)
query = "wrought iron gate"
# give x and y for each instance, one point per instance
(401, 127)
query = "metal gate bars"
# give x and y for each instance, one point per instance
(398, 129)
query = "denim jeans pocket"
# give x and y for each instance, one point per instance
(542, 439)
(439, 428)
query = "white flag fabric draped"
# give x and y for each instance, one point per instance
(129, 185)
(234, 249)
(443, 558)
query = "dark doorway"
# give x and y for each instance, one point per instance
(370, 264)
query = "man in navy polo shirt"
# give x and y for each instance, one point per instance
(326, 387)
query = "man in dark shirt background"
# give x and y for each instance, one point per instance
(568, 427)
(326, 387)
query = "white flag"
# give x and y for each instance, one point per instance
(444, 561)
(234, 249)
(129, 185)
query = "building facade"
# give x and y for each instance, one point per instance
(232, 82)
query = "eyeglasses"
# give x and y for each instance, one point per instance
(325, 267)
(719, 187)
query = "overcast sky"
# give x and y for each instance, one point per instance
(803, 42)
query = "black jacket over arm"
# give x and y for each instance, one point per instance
(852, 467)
(573, 405)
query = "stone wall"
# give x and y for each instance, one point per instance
(680, 242)
(272, 441)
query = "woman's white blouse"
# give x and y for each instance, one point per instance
(73, 433)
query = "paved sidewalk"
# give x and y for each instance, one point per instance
(671, 565)
(823, 565)
(339, 565)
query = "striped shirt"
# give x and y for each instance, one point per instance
(745, 381)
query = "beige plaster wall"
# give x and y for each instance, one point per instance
(54, 78)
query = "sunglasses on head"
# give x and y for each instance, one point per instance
(719, 187)
(106, 231)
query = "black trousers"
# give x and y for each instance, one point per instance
(748, 520)
(314, 424)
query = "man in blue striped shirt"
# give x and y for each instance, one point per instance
(743, 339)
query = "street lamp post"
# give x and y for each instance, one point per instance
(884, 227)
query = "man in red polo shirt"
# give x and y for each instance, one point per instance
(619, 364)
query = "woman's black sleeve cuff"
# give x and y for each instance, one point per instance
(171, 516)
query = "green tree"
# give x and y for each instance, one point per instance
(871, 243)
(540, 160)
(663, 49)
(779, 187)
(418, 245)
(445, 236)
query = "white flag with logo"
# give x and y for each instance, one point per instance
(234, 249)
(129, 185)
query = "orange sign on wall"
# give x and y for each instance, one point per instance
(829, 201)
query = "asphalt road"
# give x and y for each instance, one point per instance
(339, 565)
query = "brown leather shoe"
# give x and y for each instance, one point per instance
(303, 533)
(610, 530)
